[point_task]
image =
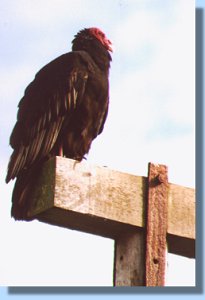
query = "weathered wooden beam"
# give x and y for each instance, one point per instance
(129, 260)
(107, 202)
(156, 225)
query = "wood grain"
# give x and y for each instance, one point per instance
(104, 201)
(129, 262)
(156, 225)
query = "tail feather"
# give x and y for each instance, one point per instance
(21, 197)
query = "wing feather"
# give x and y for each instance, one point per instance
(50, 99)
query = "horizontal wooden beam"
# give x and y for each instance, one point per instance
(107, 202)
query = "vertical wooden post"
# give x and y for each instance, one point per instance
(129, 264)
(156, 227)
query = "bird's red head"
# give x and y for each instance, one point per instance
(101, 37)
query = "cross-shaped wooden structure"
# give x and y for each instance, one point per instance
(141, 214)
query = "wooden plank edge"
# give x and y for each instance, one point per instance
(49, 203)
(109, 229)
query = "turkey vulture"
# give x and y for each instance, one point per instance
(63, 109)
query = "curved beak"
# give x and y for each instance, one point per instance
(109, 45)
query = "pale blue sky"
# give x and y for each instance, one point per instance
(151, 115)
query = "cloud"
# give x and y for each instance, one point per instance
(45, 12)
(163, 85)
(151, 115)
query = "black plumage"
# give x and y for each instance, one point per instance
(61, 112)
